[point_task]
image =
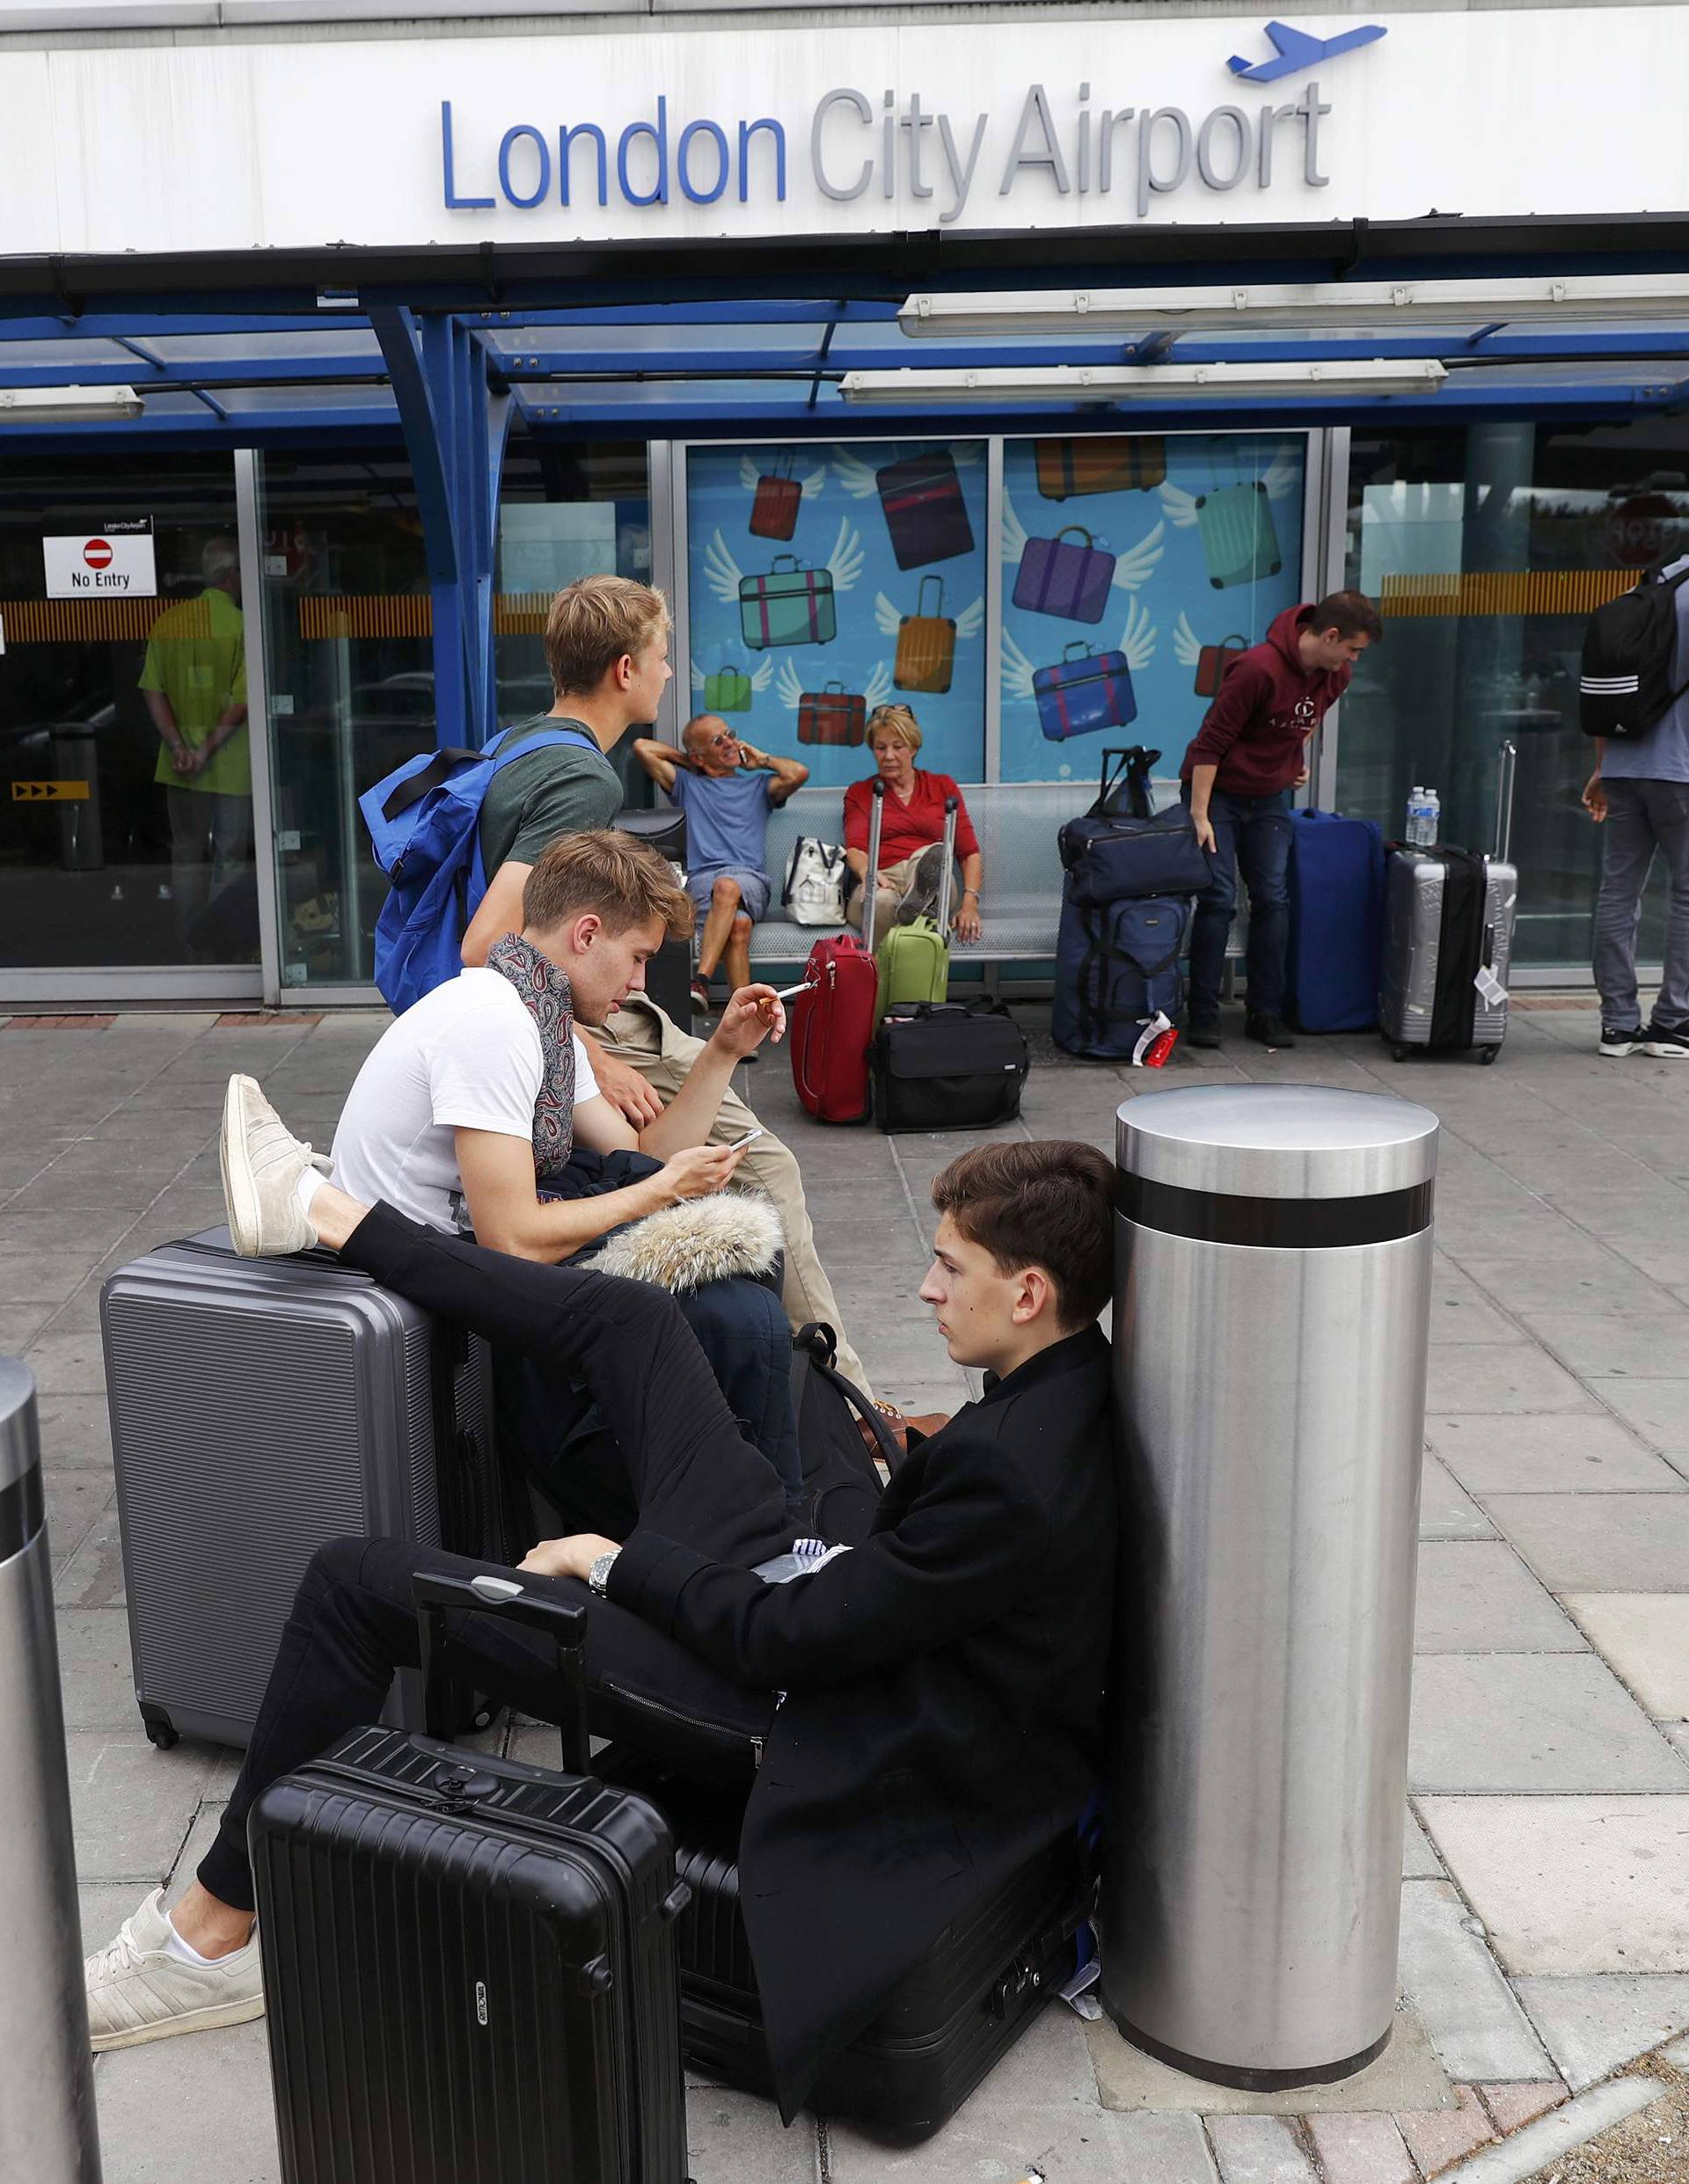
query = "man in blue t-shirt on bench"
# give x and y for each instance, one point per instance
(727, 788)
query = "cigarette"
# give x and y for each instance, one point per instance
(788, 993)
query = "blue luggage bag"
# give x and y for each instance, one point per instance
(1336, 891)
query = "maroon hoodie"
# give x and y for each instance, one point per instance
(1257, 729)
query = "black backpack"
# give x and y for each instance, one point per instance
(1629, 649)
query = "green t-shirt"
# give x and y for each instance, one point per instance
(196, 656)
(561, 789)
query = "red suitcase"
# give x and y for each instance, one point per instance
(832, 715)
(832, 1020)
(774, 505)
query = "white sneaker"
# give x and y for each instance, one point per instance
(262, 1162)
(138, 1991)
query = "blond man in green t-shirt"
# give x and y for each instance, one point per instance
(194, 684)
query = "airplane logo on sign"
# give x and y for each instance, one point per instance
(1299, 49)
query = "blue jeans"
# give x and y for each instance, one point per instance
(1251, 833)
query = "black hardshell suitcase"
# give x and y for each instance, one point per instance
(469, 1963)
(259, 1408)
(948, 2024)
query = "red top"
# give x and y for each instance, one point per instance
(905, 828)
(1256, 731)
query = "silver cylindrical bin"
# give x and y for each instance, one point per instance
(47, 2131)
(1273, 1292)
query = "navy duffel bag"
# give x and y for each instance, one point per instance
(1121, 848)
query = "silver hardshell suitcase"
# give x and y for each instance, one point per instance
(1448, 919)
(259, 1408)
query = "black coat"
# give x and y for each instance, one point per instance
(943, 1687)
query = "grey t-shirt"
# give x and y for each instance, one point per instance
(556, 790)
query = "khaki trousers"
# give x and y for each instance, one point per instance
(641, 1035)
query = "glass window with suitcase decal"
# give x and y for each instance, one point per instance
(1113, 551)
(825, 576)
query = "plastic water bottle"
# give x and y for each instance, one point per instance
(1414, 832)
(1433, 810)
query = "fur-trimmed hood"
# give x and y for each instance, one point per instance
(700, 1240)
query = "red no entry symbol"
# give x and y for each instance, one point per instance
(97, 553)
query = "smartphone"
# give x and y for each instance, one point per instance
(733, 1143)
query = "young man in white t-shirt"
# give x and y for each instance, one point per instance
(446, 1102)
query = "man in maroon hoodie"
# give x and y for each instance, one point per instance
(1239, 773)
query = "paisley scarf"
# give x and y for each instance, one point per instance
(545, 992)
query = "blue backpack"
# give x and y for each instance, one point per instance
(425, 824)
(1115, 967)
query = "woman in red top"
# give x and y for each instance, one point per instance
(911, 836)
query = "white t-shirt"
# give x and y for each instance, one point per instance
(466, 1056)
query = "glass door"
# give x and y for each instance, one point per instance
(126, 860)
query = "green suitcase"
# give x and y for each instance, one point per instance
(914, 960)
(1235, 524)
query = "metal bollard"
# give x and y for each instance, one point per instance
(1272, 1295)
(47, 2129)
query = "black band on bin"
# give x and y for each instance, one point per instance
(22, 1511)
(1297, 1224)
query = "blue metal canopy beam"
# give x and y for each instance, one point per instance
(455, 427)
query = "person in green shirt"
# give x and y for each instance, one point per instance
(194, 684)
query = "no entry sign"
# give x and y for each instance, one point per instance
(113, 561)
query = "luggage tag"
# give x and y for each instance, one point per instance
(1490, 987)
(1156, 1041)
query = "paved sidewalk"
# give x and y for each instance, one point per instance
(1545, 1898)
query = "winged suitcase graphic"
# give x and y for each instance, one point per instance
(924, 511)
(792, 604)
(1214, 663)
(728, 690)
(1106, 464)
(926, 644)
(831, 715)
(1085, 690)
(776, 501)
(1235, 524)
(1058, 576)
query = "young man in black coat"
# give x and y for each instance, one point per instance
(941, 1682)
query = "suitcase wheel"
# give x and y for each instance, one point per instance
(1486, 1055)
(1399, 1053)
(161, 1730)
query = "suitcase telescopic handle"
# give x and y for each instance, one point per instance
(951, 808)
(563, 1622)
(876, 820)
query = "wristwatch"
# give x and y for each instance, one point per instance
(598, 1575)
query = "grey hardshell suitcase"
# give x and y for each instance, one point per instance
(259, 1408)
(1448, 920)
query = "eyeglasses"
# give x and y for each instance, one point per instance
(716, 741)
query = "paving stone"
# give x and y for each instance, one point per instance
(131, 1806)
(67, 1364)
(180, 2111)
(1645, 1638)
(1570, 1886)
(1531, 1722)
(1475, 2022)
(1362, 2149)
(93, 1576)
(1406, 2075)
(1605, 1543)
(1446, 1510)
(1580, 1276)
(1657, 1409)
(94, 1668)
(1480, 1376)
(76, 1499)
(1037, 2109)
(1591, 2026)
(1477, 1597)
(1461, 1313)
(20, 1324)
(735, 2139)
(1562, 1453)
(1512, 2106)
(1260, 2150)
(104, 1906)
(1442, 2137)
(1419, 1860)
(1653, 1348)
(75, 1431)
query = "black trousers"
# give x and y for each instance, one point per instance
(694, 1478)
